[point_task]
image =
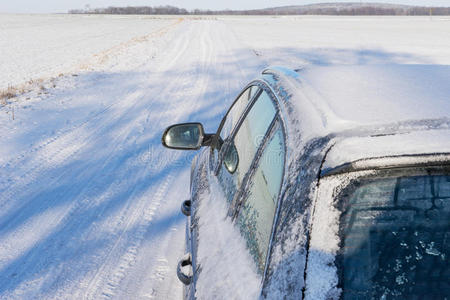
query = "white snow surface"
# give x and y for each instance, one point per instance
(43, 46)
(89, 199)
(380, 94)
(324, 40)
(411, 143)
(227, 269)
(375, 99)
(322, 279)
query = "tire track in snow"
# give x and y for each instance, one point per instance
(113, 277)
(63, 145)
(160, 265)
(79, 204)
(19, 159)
(75, 135)
(127, 211)
(102, 57)
(128, 256)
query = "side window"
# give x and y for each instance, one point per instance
(239, 153)
(256, 216)
(236, 111)
(231, 119)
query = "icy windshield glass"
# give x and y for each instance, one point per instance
(395, 239)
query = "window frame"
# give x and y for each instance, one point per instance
(239, 199)
(216, 162)
(273, 127)
(276, 123)
(222, 122)
(261, 87)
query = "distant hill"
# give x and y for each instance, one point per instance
(343, 5)
(346, 9)
(353, 8)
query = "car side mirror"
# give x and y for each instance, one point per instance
(231, 158)
(185, 136)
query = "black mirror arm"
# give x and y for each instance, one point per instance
(207, 139)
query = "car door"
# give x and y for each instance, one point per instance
(255, 209)
(231, 258)
(202, 182)
(231, 120)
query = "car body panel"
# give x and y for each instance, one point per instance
(409, 144)
(322, 136)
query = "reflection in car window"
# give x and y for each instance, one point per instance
(256, 216)
(231, 120)
(246, 143)
(236, 111)
(183, 136)
(395, 236)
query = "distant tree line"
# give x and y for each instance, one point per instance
(133, 10)
(349, 10)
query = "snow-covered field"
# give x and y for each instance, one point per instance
(89, 200)
(42, 46)
(346, 40)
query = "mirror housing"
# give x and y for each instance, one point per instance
(186, 136)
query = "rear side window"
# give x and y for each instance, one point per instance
(395, 235)
(256, 216)
(240, 152)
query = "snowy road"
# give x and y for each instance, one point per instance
(92, 210)
(89, 200)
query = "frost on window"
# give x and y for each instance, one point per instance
(256, 216)
(395, 238)
(237, 111)
(246, 143)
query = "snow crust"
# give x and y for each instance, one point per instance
(322, 279)
(368, 100)
(358, 148)
(377, 94)
(288, 262)
(227, 270)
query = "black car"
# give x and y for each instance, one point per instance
(325, 182)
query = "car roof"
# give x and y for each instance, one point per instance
(353, 96)
(401, 150)
(364, 104)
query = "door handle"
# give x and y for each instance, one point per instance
(184, 269)
(186, 207)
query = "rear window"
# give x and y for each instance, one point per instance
(395, 240)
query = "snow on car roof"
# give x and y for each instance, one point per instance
(358, 103)
(415, 147)
(351, 96)
(380, 94)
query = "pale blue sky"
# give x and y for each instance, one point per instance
(49, 6)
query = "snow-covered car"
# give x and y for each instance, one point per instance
(327, 182)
